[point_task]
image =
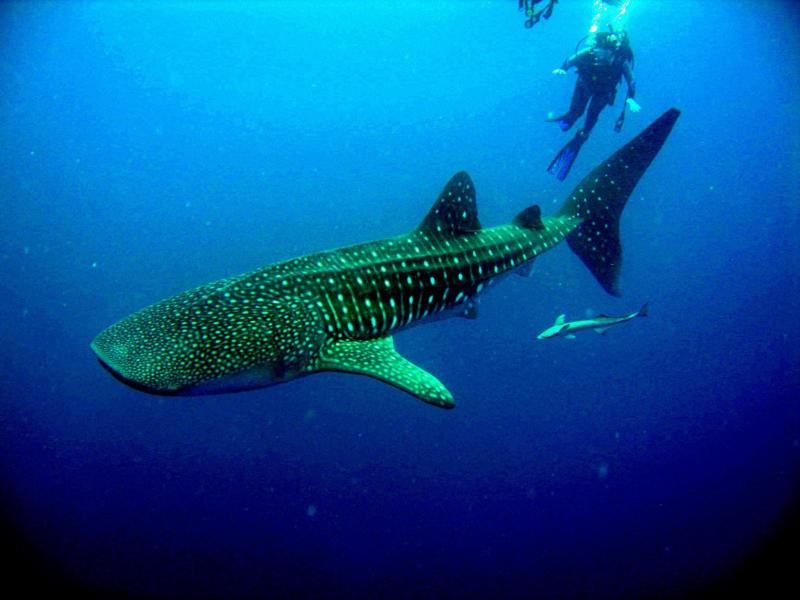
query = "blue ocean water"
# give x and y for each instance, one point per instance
(146, 148)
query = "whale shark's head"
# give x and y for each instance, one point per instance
(214, 343)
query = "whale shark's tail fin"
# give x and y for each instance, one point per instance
(600, 197)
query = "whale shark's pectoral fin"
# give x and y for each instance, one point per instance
(378, 359)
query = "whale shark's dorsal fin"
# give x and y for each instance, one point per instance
(377, 358)
(455, 211)
(560, 319)
(530, 218)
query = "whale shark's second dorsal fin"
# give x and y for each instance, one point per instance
(560, 319)
(455, 211)
(530, 218)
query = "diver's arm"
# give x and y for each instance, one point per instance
(569, 63)
(628, 75)
(574, 59)
(566, 65)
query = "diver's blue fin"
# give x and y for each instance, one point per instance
(563, 122)
(563, 161)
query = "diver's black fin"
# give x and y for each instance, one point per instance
(455, 211)
(562, 163)
(600, 197)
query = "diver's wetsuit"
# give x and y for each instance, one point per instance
(600, 69)
(599, 72)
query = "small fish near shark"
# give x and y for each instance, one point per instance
(337, 310)
(600, 324)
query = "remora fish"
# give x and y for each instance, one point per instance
(600, 324)
(337, 310)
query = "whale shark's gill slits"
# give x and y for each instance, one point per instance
(380, 303)
(332, 313)
(366, 288)
(413, 289)
(397, 304)
(352, 300)
(367, 308)
(598, 201)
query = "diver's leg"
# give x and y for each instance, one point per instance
(598, 103)
(563, 161)
(580, 98)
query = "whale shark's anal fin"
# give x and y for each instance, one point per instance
(378, 359)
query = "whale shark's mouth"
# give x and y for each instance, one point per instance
(256, 377)
(137, 385)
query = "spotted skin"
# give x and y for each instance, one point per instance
(601, 196)
(377, 358)
(337, 310)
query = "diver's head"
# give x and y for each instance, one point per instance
(606, 39)
(615, 40)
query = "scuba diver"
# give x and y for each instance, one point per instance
(528, 7)
(533, 17)
(600, 66)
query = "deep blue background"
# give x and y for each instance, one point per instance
(148, 148)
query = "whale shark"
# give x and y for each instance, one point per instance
(600, 324)
(337, 310)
